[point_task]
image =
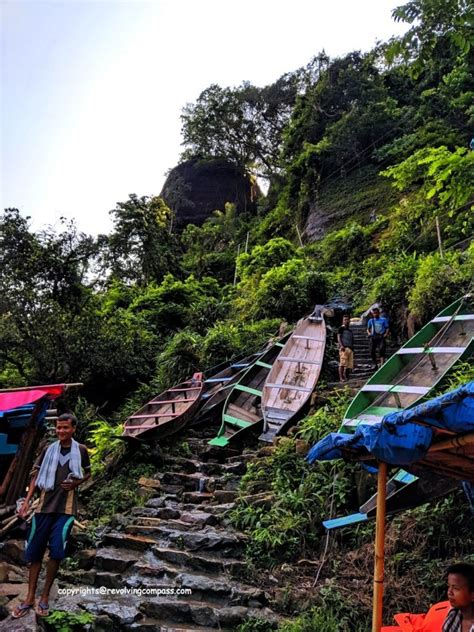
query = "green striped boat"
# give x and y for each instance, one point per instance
(242, 408)
(416, 368)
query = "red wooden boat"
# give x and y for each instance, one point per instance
(166, 414)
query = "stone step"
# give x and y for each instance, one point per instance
(199, 562)
(217, 510)
(134, 542)
(215, 587)
(197, 497)
(203, 613)
(156, 625)
(196, 481)
(207, 539)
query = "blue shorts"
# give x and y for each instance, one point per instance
(49, 529)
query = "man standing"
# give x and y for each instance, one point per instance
(345, 338)
(58, 472)
(377, 330)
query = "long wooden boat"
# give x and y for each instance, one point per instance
(293, 376)
(242, 408)
(216, 388)
(166, 414)
(415, 369)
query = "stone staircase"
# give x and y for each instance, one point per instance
(181, 539)
(363, 365)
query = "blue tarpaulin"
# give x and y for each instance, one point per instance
(397, 439)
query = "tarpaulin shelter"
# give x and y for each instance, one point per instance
(23, 412)
(435, 436)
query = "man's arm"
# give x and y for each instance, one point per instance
(339, 340)
(31, 490)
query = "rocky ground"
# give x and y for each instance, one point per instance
(180, 540)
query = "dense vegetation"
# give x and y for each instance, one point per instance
(364, 156)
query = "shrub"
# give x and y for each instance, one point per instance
(437, 281)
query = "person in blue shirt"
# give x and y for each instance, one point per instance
(377, 330)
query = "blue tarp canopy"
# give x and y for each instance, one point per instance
(434, 434)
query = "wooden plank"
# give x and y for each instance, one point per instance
(158, 402)
(179, 390)
(236, 422)
(445, 319)
(298, 337)
(417, 350)
(265, 365)
(216, 380)
(300, 360)
(290, 387)
(248, 389)
(154, 416)
(395, 388)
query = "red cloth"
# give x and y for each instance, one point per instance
(15, 399)
(432, 621)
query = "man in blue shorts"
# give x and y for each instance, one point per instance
(57, 473)
(377, 330)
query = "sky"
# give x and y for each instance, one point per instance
(92, 90)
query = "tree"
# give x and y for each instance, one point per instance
(243, 124)
(142, 247)
(441, 30)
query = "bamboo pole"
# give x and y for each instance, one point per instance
(377, 610)
(458, 442)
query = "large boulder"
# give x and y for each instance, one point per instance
(196, 188)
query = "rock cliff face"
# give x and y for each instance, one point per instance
(196, 188)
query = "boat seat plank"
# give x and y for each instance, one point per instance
(416, 350)
(181, 390)
(248, 389)
(279, 344)
(344, 521)
(216, 380)
(298, 337)
(290, 387)
(154, 415)
(301, 360)
(445, 319)
(236, 422)
(265, 365)
(169, 401)
(397, 388)
(221, 442)
(239, 365)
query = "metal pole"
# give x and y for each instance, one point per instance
(377, 611)
(247, 242)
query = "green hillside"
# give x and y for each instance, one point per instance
(363, 156)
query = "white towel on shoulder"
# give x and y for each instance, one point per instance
(47, 473)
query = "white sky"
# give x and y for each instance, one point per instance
(92, 90)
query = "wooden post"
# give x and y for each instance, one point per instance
(377, 610)
(235, 273)
(299, 235)
(440, 243)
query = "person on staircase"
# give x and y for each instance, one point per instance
(378, 330)
(58, 472)
(345, 338)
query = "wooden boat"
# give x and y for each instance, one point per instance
(166, 414)
(216, 388)
(415, 369)
(294, 376)
(402, 382)
(242, 408)
(403, 491)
